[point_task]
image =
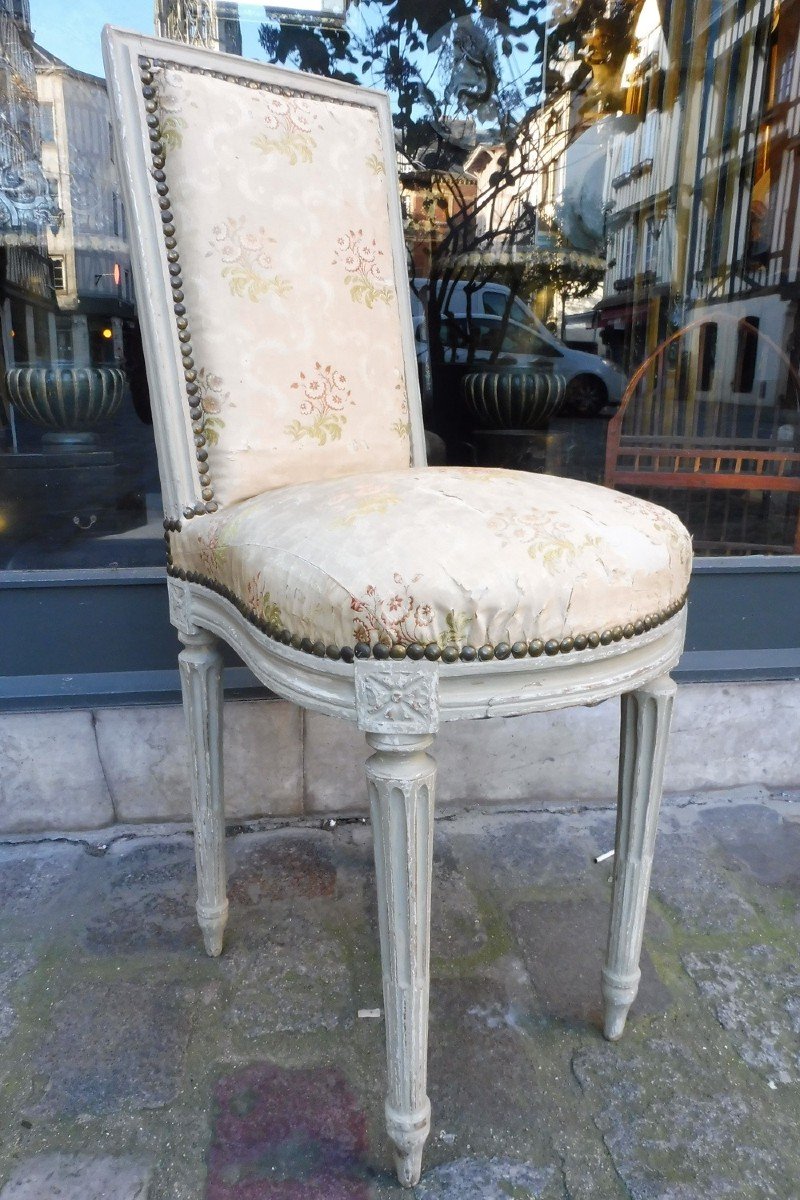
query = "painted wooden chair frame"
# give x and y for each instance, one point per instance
(398, 704)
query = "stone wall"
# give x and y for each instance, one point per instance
(88, 769)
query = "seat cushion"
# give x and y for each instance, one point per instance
(464, 562)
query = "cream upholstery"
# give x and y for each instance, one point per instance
(298, 357)
(454, 557)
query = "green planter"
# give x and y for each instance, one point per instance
(67, 401)
(513, 399)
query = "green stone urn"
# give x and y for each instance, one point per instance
(514, 399)
(68, 401)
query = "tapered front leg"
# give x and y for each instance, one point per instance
(645, 724)
(401, 779)
(201, 681)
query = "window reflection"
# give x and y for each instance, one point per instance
(77, 473)
(603, 198)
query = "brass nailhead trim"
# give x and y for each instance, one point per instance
(150, 93)
(415, 650)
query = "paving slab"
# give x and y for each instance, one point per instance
(679, 1126)
(36, 878)
(489, 1178)
(123, 1048)
(78, 1177)
(693, 880)
(755, 996)
(15, 962)
(288, 978)
(759, 839)
(111, 1047)
(287, 1134)
(563, 945)
(283, 868)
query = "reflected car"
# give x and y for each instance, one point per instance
(498, 329)
(484, 342)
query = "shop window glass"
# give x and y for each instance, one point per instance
(608, 192)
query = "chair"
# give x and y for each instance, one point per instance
(304, 528)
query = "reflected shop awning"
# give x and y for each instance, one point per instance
(610, 314)
(523, 258)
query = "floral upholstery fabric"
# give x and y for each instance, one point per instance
(447, 555)
(282, 222)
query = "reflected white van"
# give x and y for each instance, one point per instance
(475, 330)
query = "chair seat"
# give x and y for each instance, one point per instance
(442, 562)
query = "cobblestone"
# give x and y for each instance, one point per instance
(132, 1067)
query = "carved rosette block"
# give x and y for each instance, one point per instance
(180, 607)
(200, 665)
(395, 698)
(646, 715)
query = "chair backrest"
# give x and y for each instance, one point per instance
(270, 269)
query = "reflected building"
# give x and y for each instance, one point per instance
(212, 24)
(639, 198)
(68, 302)
(436, 192)
(28, 201)
(743, 257)
(544, 218)
(89, 256)
(701, 192)
(702, 288)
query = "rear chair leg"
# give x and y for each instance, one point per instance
(645, 724)
(201, 682)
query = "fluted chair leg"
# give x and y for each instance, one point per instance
(401, 779)
(646, 715)
(201, 681)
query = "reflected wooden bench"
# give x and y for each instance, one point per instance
(670, 436)
(705, 463)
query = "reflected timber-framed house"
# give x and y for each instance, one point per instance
(701, 292)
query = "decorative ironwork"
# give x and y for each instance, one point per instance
(27, 200)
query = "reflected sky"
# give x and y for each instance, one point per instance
(75, 37)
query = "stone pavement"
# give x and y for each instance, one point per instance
(132, 1067)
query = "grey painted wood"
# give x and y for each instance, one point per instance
(401, 780)
(201, 678)
(645, 720)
